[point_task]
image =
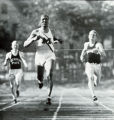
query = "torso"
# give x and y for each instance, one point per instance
(92, 57)
(90, 47)
(15, 61)
(41, 47)
(43, 52)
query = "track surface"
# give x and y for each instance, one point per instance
(68, 103)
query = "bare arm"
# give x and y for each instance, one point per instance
(83, 52)
(33, 36)
(56, 40)
(6, 59)
(5, 62)
(23, 59)
(101, 50)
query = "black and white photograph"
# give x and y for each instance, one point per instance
(56, 60)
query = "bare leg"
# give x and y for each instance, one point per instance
(50, 81)
(12, 90)
(91, 85)
(50, 78)
(40, 75)
(95, 80)
(17, 89)
(12, 86)
(50, 86)
(98, 75)
(18, 79)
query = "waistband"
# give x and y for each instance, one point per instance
(93, 63)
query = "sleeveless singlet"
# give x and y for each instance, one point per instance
(15, 61)
(93, 57)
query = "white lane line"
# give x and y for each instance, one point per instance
(13, 104)
(59, 106)
(70, 118)
(99, 103)
(106, 107)
(9, 106)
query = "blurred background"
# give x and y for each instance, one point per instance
(70, 20)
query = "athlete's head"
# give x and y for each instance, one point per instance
(44, 20)
(15, 45)
(93, 36)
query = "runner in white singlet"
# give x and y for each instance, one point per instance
(45, 56)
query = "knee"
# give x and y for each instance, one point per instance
(90, 78)
(11, 86)
(17, 82)
(49, 72)
(51, 82)
(12, 77)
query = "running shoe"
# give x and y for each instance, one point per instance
(40, 85)
(95, 98)
(14, 98)
(48, 102)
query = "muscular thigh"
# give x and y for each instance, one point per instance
(11, 77)
(89, 69)
(19, 75)
(98, 70)
(48, 67)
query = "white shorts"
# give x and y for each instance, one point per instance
(18, 74)
(42, 57)
(92, 68)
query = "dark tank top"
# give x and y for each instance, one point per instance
(15, 61)
(93, 57)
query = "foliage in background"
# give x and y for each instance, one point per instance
(71, 20)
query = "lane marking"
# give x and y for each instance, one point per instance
(99, 103)
(70, 118)
(9, 106)
(59, 106)
(106, 107)
(12, 103)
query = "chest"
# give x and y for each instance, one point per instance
(90, 47)
(15, 57)
(41, 42)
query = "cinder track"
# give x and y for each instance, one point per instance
(67, 104)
